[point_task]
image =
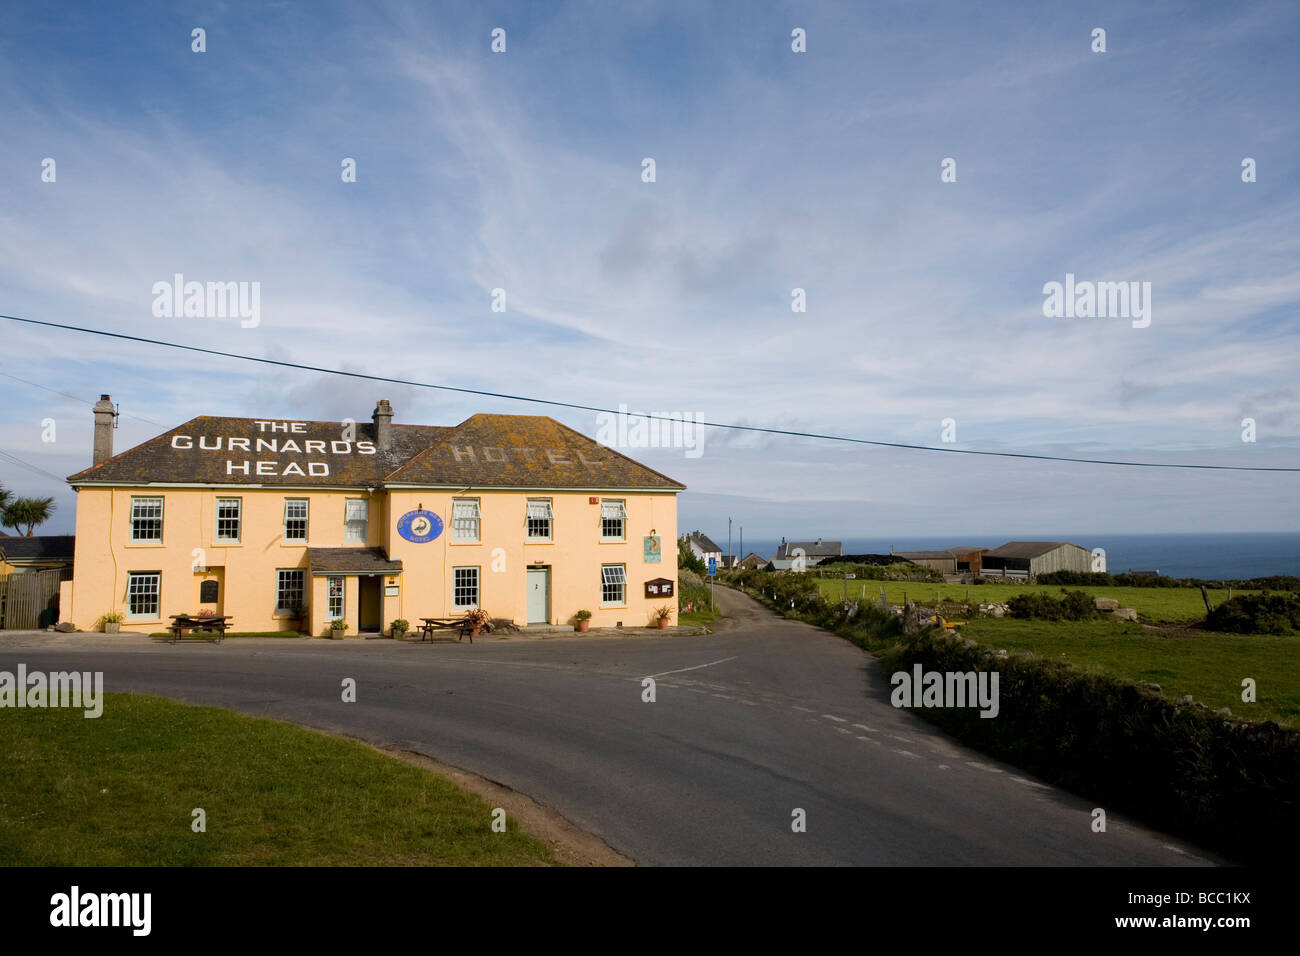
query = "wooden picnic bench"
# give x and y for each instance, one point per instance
(431, 624)
(208, 625)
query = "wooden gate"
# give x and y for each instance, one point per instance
(29, 601)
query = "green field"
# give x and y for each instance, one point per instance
(1206, 665)
(119, 790)
(1154, 604)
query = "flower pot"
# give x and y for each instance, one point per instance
(662, 622)
(582, 625)
(112, 627)
(399, 635)
(336, 633)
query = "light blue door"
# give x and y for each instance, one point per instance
(539, 595)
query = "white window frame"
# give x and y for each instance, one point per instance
(305, 518)
(460, 524)
(137, 500)
(143, 576)
(280, 606)
(618, 578)
(349, 535)
(239, 521)
(336, 605)
(539, 504)
(621, 518)
(456, 588)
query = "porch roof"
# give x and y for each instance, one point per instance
(352, 561)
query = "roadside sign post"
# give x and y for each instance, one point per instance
(847, 579)
(713, 579)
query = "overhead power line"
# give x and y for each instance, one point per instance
(14, 459)
(594, 408)
(77, 398)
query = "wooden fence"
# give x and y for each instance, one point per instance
(31, 600)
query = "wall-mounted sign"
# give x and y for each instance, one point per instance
(659, 588)
(419, 526)
(652, 549)
(208, 592)
(391, 590)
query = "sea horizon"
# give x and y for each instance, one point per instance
(1212, 555)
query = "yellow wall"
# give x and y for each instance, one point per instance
(575, 556)
(246, 571)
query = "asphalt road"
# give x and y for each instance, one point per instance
(764, 717)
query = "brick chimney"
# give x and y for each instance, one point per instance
(105, 419)
(383, 418)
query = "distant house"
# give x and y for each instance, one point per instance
(20, 555)
(1025, 558)
(751, 562)
(946, 561)
(812, 552)
(702, 547)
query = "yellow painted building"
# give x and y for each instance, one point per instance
(278, 522)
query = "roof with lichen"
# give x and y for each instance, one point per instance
(484, 451)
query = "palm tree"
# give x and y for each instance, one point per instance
(6, 496)
(27, 511)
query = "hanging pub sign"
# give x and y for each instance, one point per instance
(419, 526)
(652, 549)
(659, 588)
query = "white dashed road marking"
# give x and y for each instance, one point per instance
(683, 670)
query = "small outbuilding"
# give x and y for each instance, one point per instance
(1026, 558)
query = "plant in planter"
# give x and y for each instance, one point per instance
(297, 616)
(663, 615)
(400, 627)
(111, 622)
(338, 627)
(477, 620)
(582, 620)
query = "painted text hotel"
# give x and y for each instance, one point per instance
(267, 519)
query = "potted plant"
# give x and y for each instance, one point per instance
(400, 627)
(663, 615)
(581, 620)
(298, 615)
(338, 627)
(476, 620)
(111, 622)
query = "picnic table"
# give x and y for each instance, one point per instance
(208, 624)
(430, 624)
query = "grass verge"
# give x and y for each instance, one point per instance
(1207, 665)
(1154, 604)
(119, 791)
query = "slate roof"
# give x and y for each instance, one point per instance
(704, 542)
(45, 547)
(352, 561)
(811, 549)
(525, 451)
(484, 451)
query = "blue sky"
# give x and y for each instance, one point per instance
(775, 170)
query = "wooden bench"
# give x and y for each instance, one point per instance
(215, 624)
(463, 629)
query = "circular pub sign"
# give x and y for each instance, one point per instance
(419, 526)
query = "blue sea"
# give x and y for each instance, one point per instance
(1214, 556)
